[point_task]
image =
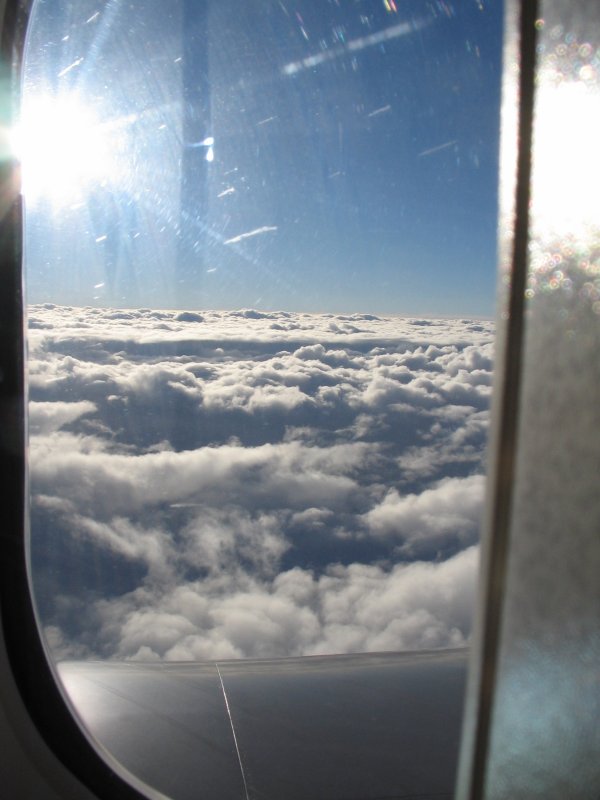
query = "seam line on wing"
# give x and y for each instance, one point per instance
(235, 741)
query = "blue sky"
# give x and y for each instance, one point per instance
(335, 156)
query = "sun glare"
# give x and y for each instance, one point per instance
(567, 120)
(63, 149)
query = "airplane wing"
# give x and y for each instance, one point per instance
(358, 727)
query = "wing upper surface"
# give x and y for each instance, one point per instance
(360, 727)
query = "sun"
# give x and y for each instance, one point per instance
(64, 149)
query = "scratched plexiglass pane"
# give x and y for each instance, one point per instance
(239, 445)
(261, 263)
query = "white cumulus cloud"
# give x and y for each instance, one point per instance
(221, 484)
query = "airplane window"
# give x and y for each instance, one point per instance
(260, 268)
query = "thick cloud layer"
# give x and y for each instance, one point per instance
(232, 484)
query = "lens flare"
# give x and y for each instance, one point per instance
(63, 148)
